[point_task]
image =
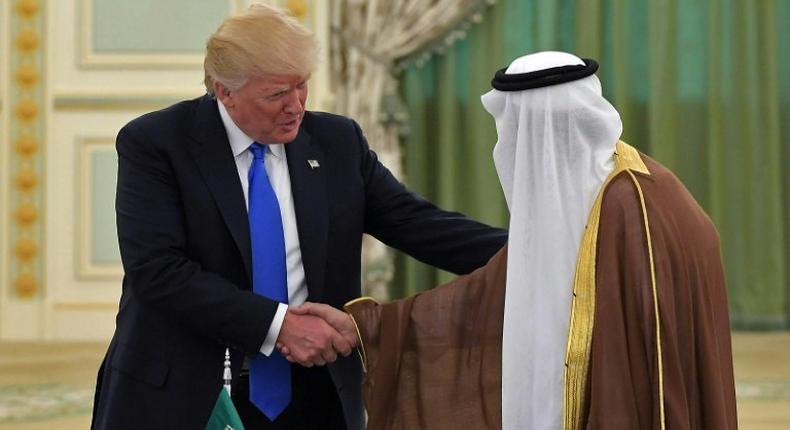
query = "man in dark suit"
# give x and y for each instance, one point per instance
(185, 188)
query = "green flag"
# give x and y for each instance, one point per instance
(224, 415)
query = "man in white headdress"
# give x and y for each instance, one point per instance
(606, 310)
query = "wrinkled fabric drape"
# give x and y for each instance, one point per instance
(367, 38)
(434, 359)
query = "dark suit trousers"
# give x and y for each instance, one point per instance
(314, 403)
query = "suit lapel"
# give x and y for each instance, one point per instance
(214, 157)
(308, 186)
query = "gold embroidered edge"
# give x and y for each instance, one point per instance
(363, 357)
(577, 355)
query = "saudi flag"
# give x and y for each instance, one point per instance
(224, 415)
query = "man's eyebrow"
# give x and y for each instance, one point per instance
(275, 88)
(270, 88)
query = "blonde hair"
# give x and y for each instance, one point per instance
(262, 40)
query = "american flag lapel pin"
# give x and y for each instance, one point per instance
(313, 164)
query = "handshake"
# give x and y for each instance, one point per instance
(313, 334)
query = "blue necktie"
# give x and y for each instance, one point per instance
(270, 377)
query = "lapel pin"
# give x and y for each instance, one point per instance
(313, 164)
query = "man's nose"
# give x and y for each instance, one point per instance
(293, 104)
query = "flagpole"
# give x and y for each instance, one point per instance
(226, 375)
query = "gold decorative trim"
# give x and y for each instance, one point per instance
(86, 268)
(85, 306)
(627, 157)
(360, 299)
(89, 59)
(363, 356)
(25, 172)
(577, 356)
(655, 302)
(298, 8)
(127, 101)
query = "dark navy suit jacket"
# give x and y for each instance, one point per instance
(185, 246)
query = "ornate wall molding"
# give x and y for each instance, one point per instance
(90, 58)
(26, 160)
(131, 100)
(95, 260)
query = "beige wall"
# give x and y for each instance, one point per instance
(84, 96)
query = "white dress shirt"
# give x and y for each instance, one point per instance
(277, 171)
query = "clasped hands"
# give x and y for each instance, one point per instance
(313, 334)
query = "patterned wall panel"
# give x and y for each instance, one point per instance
(26, 161)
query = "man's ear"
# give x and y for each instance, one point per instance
(223, 94)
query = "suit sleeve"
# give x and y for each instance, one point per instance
(155, 253)
(406, 221)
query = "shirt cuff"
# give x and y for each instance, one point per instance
(274, 330)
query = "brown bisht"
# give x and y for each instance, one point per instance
(434, 360)
(648, 345)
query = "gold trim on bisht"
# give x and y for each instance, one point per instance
(577, 356)
(363, 356)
